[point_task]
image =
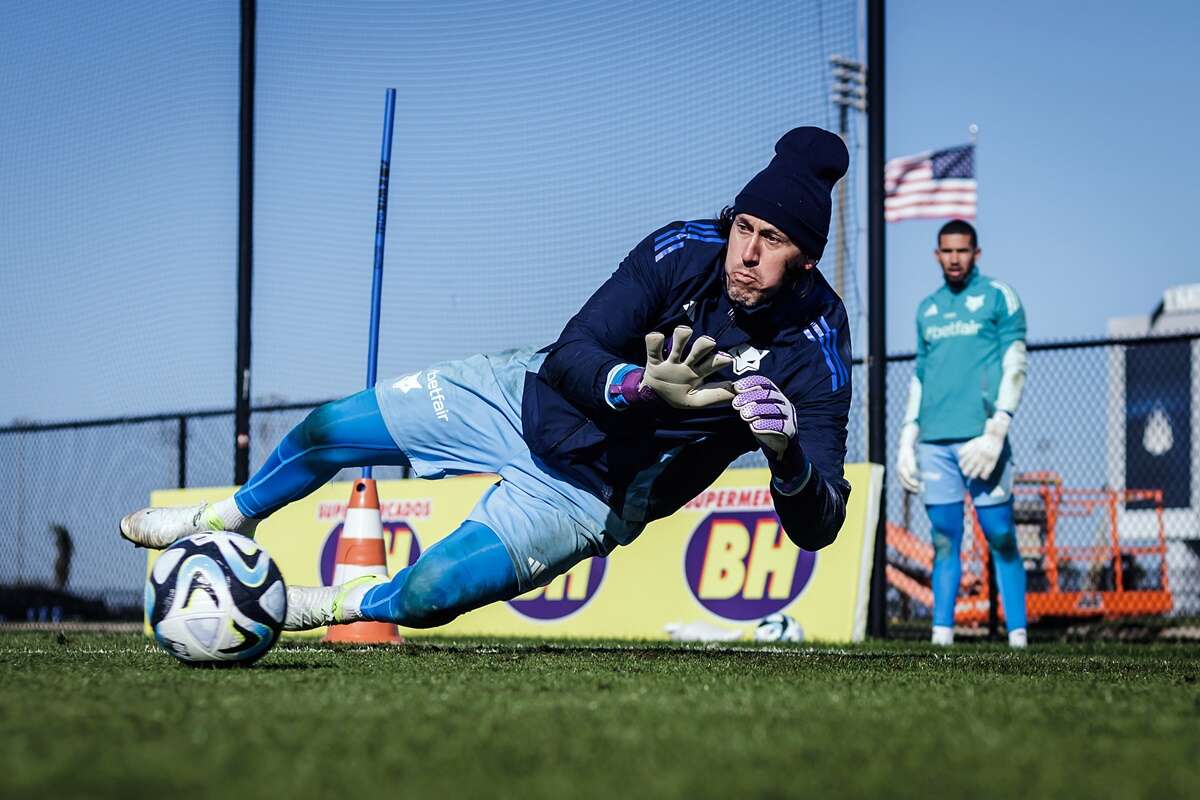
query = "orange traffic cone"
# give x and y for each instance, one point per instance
(360, 552)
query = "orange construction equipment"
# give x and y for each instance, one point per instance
(1082, 558)
(360, 551)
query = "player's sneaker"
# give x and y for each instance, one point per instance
(317, 606)
(1018, 639)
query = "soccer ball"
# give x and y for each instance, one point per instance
(778, 628)
(216, 599)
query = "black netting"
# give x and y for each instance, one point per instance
(535, 145)
(61, 495)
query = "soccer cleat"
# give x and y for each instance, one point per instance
(157, 528)
(1018, 639)
(317, 606)
(161, 527)
(943, 635)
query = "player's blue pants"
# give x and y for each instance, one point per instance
(998, 527)
(345, 433)
(467, 569)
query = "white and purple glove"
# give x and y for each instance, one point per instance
(772, 419)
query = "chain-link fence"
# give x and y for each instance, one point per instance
(63, 488)
(1107, 494)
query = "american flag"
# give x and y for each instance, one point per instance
(931, 185)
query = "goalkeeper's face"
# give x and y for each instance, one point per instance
(956, 253)
(758, 259)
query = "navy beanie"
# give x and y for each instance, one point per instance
(792, 193)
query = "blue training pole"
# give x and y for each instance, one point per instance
(385, 159)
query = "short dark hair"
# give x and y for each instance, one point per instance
(725, 221)
(958, 226)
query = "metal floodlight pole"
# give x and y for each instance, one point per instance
(241, 414)
(385, 161)
(876, 309)
(849, 91)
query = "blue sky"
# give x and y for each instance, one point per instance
(1087, 166)
(535, 144)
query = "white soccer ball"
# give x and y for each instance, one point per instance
(217, 599)
(778, 628)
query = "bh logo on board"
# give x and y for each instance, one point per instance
(398, 537)
(564, 595)
(740, 565)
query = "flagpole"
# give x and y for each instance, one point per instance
(973, 130)
(992, 587)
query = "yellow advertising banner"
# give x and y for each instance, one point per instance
(721, 561)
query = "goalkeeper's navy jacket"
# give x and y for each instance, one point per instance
(648, 460)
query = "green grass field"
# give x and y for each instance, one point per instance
(91, 715)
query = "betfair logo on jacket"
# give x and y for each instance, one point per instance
(952, 329)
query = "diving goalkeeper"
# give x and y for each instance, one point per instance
(712, 338)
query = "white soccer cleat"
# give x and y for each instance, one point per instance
(1018, 639)
(311, 607)
(161, 527)
(942, 635)
(157, 528)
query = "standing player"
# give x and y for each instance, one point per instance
(970, 374)
(711, 339)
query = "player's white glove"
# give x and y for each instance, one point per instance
(679, 379)
(977, 457)
(906, 459)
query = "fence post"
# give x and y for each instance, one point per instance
(993, 596)
(182, 450)
(877, 306)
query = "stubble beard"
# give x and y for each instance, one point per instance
(743, 297)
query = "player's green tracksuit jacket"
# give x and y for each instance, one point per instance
(962, 335)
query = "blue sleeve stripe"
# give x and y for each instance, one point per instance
(819, 338)
(825, 337)
(671, 249)
(833, 332)
(691, 227)
(680, 240)
(713, 238)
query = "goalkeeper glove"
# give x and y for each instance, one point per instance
(906, 459)
(977, 457)
(678, 379)
(772, 420)
(771, 416)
